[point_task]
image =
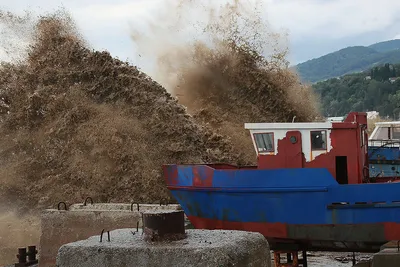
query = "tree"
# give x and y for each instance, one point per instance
(354, 93)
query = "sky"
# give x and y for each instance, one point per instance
(314, 27)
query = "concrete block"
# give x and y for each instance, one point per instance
(60, 227)
(200, 248)
(123, 206)
(387, 257)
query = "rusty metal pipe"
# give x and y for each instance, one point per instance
(163, 225)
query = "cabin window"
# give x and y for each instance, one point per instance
(264, 142)
(318, 140)
(382, 133)
(396, 133)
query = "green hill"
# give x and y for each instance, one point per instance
(349, 60)
(386, 46)
(374, 89)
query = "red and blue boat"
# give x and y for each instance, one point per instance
(311, 189)
(384, 153)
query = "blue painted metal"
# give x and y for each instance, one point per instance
(255, 178)
(380, 153)
(384, 161)
(384, 170)
(267, 195)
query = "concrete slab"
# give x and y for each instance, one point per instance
(123, 206)
(387, 257)
(60, 227)
(200, 248)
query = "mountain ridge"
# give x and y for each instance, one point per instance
(349, 60)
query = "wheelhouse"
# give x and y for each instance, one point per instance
(339, 146)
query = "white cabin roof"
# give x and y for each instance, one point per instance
(336, 119)
(386, 130)
(288, 125)
(387, 123)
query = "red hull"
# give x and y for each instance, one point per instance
(313, 237)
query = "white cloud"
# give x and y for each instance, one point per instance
(107, 24)
(332, 19)
(104, 24)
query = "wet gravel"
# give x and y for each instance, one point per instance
(333, 259)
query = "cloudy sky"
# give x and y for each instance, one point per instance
(315, 27)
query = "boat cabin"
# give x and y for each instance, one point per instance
(339, 146)
(385, 132)
(384, 151)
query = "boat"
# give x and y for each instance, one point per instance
(310, 191)
(384, 153)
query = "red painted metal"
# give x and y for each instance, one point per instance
(392, 231)
(293, 263)
(201, 180)
(289, 155)
(345, 141)
(278, 230)
(172, 175)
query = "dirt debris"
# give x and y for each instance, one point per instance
(235, 71)
(79, 123)
(228, 89)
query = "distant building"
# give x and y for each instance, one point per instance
(372, 114)
(368, 77)
(393, 79)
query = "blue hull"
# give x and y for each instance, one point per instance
(298, 206)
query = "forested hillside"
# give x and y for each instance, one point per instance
(349, 60)
(376, 89)
(386, 46)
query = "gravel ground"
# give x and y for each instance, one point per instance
(333, 259)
